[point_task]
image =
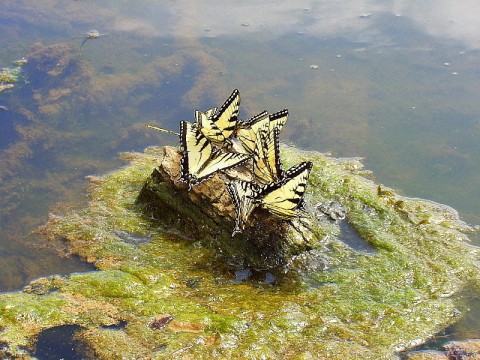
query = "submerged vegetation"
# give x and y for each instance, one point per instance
(177, 296)
(66, 104)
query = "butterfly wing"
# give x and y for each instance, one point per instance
(247, 131)
(208, 128)
(199, 159)
(226, 118)
(267, 167)
(211, 112)
(204, 119)
(278, 120)
(220, 161)
(243, 196)
(196, 151)
(220, 126)
(284, 198)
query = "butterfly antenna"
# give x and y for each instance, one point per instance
(162, 130)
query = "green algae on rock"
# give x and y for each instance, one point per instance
(362, 305)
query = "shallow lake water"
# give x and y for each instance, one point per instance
(395, 82)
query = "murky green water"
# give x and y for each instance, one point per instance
(396, 83)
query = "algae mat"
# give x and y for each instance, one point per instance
(177, 299)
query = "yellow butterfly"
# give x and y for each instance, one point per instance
(200, 160)
(218, 126)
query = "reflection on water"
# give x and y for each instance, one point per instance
(396, 82)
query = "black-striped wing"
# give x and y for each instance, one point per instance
(247, 131)
(243, 196)
(267, 166)
(200, 160)
(219, 127)
(284, 198)
(204, 118)
(278, 120)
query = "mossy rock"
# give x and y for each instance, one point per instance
(206, 213)
(362, 304)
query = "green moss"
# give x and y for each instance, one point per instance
(107, 283)
(363, 306)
